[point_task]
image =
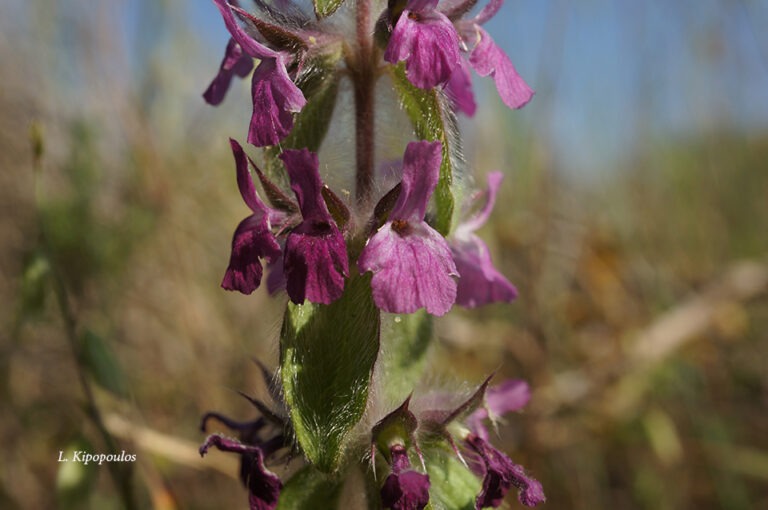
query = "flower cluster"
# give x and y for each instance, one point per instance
(413, 265)
(463, 428)
(344, 262)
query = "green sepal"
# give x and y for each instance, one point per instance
(405, 342)
(327, 354)
(452, 485)
(309, 489)
(324, 8)
(433, 119)
(279, 36)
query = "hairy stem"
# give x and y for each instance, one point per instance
(364, 81)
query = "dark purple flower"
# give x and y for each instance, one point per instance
(411, 262)
(253, 237)
(489, 60)
(511, 395)
(499, 474)
(263, 485)
(275, 96)
(235, 63)
(316, 262)
(479, 283)
(427, 41)
(404, 488)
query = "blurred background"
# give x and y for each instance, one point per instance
(632, 219)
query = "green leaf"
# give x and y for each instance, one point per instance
(100, 361)
(405, 342)
(325, 8)
(309, 489)
(433, 119)
(327, 353)
(452, 485)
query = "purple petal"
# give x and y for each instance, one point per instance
(316, 262)
(421, 171)
(404, 489)
(252, 240)
(488, 12)
(459, 89)
(275, 96)
(428, 43)
(479, 219)
(412, 268)
(499, 474)
(248, 44)
(489, 60)
(244, 181)
(511, 395)
(479, 281)
(303, 171)
(234, 63)
(263, 485)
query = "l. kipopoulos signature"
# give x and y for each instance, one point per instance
(98, 458)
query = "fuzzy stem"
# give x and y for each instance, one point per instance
(364, 82)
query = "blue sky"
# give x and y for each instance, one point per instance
(607, 73)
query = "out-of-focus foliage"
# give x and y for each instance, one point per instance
(119, 191)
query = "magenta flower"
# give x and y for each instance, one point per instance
(479, 283)
(235, 63)
(253, 238)
(263, 485)
(315, 263)
(404, 488)
(275, 96)
(499, 475)
(427, 41)
(411, 262)
(498, 472)
(488, 59)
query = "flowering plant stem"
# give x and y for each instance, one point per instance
(364, 80)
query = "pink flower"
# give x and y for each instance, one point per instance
(479, 281)
(427, 41)
(275, 96)
(411, 262)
